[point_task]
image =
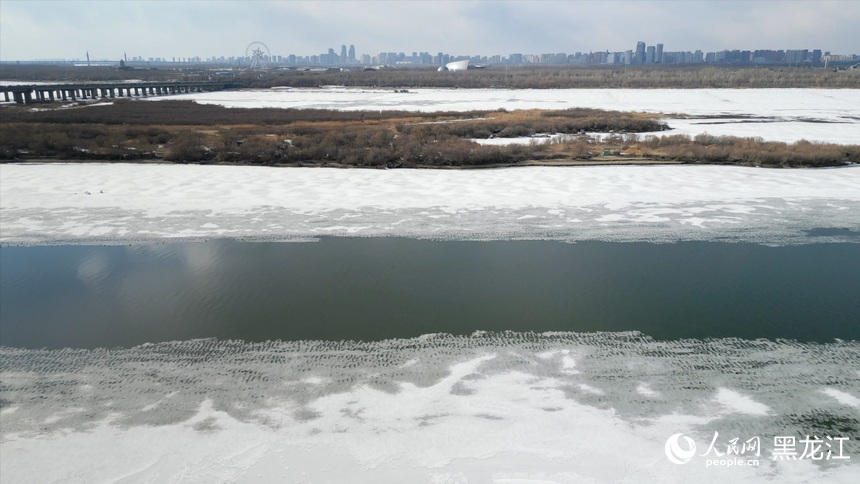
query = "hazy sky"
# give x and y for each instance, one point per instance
(67, 29)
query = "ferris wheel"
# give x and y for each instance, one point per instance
(258, 54)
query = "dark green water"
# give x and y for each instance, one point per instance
(379, 288)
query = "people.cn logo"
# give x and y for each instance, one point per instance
(677, 453)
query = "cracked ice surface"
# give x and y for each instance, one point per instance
(422, 409)
(116, 203)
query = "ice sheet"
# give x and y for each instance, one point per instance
(823, 115)
(491, 407)
(105, 203)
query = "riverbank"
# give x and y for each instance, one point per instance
(187, 132)
(597, 161)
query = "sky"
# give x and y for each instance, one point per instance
(68, 29)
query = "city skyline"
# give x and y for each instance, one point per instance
(643, 54)
(49, 30)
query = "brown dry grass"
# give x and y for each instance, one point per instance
(391, 139)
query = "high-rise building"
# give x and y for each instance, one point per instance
(351, 53)
(658, 56)
(640, 53)
(342, 53)
(815, 58)
(796, 56)
(651, 52)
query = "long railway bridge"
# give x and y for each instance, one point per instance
(42, 93)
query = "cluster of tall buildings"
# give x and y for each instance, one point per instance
(332, 57)
(643, 54)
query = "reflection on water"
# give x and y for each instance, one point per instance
(374, 289)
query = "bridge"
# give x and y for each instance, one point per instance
(42, 93)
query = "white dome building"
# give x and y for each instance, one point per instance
(458, 65)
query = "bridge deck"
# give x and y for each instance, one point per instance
(40, 93)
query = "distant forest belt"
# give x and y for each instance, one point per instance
(572, 77)
(496, 76)
(187, 132)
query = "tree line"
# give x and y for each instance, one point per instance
(496, 76)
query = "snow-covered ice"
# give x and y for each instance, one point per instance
(819, 115)
(105, 203)
(491, 407)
